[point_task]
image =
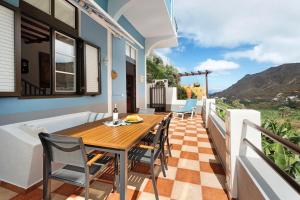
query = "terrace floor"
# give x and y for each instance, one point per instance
(194, 173)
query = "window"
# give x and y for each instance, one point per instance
(65, 12)
(92, 69)
(127, 50)
(65, 63)
(7, 51)
(130, 52)
(43, 5)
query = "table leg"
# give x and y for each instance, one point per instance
(123, 174)
(46, 181)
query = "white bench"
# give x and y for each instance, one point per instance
(21, 160)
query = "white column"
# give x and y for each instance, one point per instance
(208, 105)
(109, 68)
(235, 133)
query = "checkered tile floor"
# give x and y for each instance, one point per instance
(194, 173)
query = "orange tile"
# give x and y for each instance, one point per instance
(68, 190)
(203, 140)
(179, 130)
(178, 137)
(176, 147)
(36, 194)
(207, 150)
(212, 168)
(172, 161)
(190, 143)
(186, 175)
(189, 155)
(209, 193)
(164, 187)
(141, 168)
(191, 134)
(131, 195)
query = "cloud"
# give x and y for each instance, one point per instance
(163, 54)
(182, 69)
(217, 65)
(271, 27)
(272, 50)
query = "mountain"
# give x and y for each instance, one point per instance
(283, 80)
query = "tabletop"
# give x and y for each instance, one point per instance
(121, 137)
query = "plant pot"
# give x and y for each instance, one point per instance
(189, 92)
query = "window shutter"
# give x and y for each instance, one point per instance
(92, 69)
(7, 51)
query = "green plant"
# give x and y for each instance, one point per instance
(284, 111)
(282, 157)
(181, 94)
(156, 69)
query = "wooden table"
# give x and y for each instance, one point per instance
(117, 140)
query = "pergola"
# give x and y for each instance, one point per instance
(206, 72)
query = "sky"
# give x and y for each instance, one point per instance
(233, 38)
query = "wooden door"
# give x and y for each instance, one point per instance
(131, 87)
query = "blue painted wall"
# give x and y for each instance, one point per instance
(13, 2)
(130, 29)
(91, 32)
(103, 4)
(119, 65)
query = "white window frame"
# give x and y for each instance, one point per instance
(130, 51)
(62, 72)
(98, 68)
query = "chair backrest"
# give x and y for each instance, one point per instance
(158, 139)
(190, 103)
(63, 149)
(146, 110)
(165, 128)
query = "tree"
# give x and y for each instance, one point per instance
(156, 69)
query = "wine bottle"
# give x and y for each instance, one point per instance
(115, 115)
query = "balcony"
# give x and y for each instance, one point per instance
(194, 172)
(209, 162)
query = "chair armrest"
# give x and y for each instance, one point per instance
(94, 159)
(146, 147)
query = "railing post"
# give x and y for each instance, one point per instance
(236, 131)
(207, 109)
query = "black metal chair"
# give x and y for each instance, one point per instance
(150, 136)
(79, 168)
(149, 154)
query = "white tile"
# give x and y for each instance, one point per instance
(189, 164)
(202, 135)
(208, 158)
(204, 144)
(189, 148)
(178, 133)
(191, 131)
(175, 141)
(138, 181)
(171, 173)
(180, 127)
(175, 153)
(6, 194)
(150, 196)
(55, 196)
(54, 185)
(213, 180)
(98, 190)
(186, 191)
(190, 138)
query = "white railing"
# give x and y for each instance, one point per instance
(243, 166)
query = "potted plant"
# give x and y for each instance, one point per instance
(189, 92)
